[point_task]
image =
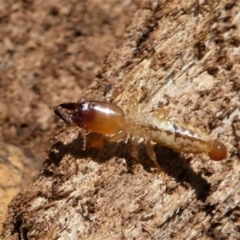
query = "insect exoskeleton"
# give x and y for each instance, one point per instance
(217, 150)
(93, 116)
(108, 118)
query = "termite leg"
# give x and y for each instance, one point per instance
(151, 153)
(134, 151)
(119, 136)
(133, 107)
(160, 113)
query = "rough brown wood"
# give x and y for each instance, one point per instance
(16, 170)
(179, 55)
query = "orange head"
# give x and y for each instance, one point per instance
(95, 116)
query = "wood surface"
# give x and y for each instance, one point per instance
(182, 56)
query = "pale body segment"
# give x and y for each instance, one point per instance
(175, 135)
(108, 118)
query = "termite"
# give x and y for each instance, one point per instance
(109, 119)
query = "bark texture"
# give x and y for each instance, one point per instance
(182, 56)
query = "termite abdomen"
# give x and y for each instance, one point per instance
(94, 116)
(218, 151)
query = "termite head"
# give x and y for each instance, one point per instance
(218, 150)
(71, 113)
(94, 116)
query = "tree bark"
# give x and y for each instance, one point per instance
(181, 56)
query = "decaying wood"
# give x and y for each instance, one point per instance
(178, 55)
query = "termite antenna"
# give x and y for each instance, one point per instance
(218, 151)
(84, 136)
